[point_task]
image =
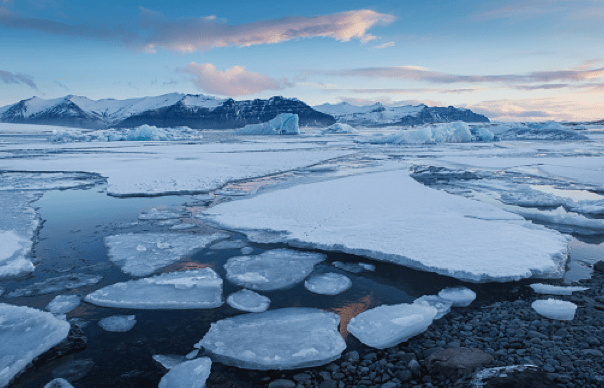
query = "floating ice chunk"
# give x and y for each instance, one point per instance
(141, 254)
(339, 128)
(386, 326)
(246, 250)
(550, 289)
(236, 244)
(198, 289)
(58, 383)
(587, 207)
(458, 296)
(288, 338)
(118, 323)
(169, 361)
(328, 284)
(441, 305)
(456, 132)
(482, 134)
(163, 214)
(183, 226)
(531, 198)
(537, 131)
(271, 270)
(283, 124)
(62, 304)
(555, 309)
(57, 284)
(189, 374)
(250, 301)
(26, 333)
(354, 267)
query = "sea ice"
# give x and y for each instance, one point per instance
(26, 333)
(528, 197)
(550, 289)
(197, 289)
(386, 326)
(441, 305)
(183, 226)
(58, 383)
(353, 267)
(586, 207)
(458, 296)
(561, 220)
(236, 244)
(288, 338)
(536, 131)
(283, 124)
(163, 214)
(271, 270)
(328, 283)
(169, 361)
(141, 254)
(249, 301)
(456, 132)
(555, 309)
(57, 284)
(246, 250)
(62, 304)
(118, 323)
(189, 374)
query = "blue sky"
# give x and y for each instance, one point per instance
(530, 60)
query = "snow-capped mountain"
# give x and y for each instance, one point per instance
(380, 115)
(169, 110)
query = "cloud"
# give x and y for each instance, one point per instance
(388, 101)
(384, 45)
(567, 108)
(338, 88)
(235, 81)
(10, 78)
(571, 10)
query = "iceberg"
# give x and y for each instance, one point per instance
(141, 133)
(536, 131)
(249, 301)
(386, 326)
(456, 132)
(197, 289)
(339, 128)
(141, 254)
(328, 284)
(62, 304)
(441, 305)
(283, 124)
(118, 323)
(26, 333)
(458, 296)
(189, 374)
(555, 309)
(550, 289)
(288, 338)
(271, 270)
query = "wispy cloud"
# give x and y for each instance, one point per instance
(338, 88)
(11, 78)
(385, 45)
(388, 101)
(235, 81)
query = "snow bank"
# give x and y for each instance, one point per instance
(458, 296)
(456, 132)
(328, 284)
(283, 124)
(550, 289)
(142, 133)
(189, 374)
(118, 323)
(288, 338)
(555, 309)
(249, 301)
(62, 304)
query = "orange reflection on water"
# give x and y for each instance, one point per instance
(186, 265)
(351, 310)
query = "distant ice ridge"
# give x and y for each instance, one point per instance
(26, 333)
(189, 374)
(142, 133)
(283, 124)
(456, 132)
(249, 301)
(550, 289)
(288, 338)
(141, 254)
(386, 326)
(62, 304)
(118, 323)
(555, 309)
(328, 283)
(197, 289)
(535, 131)
(404, 222)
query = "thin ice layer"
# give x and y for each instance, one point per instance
(26, 333)
(62, 304)
(189, 374)
(404, 222)
(141, 254)
(386, 326)
(57, 284)
(249, 301)
(441, 305)
(555, 309)
(550, 289)
(288, 338)
(328, 283)
(271, 270)
(198, 289)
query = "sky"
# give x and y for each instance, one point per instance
(526, 60)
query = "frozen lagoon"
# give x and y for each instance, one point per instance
(75, 222)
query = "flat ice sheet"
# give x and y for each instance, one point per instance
(197, 289)
(288, 338)
(403, 222)
(550, 289)
(249, 301)
(62, 304)
(555, 309)
(328, 283)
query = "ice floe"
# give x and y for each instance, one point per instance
(189, 374)
(271, 270)
(456, 132)
(288, 338)
(58, 383)
(169, 361)
(388, 325)
(62, 304)
(550, 289)
(163, 214)
(283, 124)
(441, 305)
(57, 284)
(141, 254)
(118, 323)
(26, 333)
(563, 221)
(328, 283)
(249, 301)
(236, 244)
(458, 296)
(555, 309)
(197, 289)
(339, 128)
(354, 267)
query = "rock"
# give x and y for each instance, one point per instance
(352, 356)
(592, 352)
(416, 369)
(404, 375)
(457, 362)
(302, 377)
(329, 384)
(599, 266)
(517, 376)
(282, 383)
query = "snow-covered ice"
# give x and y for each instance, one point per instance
(118, 323)
(441, 305)
(249, 301)
(288, 338)
(189, 374)
(550, 289)
(57, 284)
(458, 296)
(404, 222)
(555, 309)
(328, 283)
(388, 325)
(26, 333)
(536, 131)
(169, 361)
(339, 128)
(283, 124)
(62, 304)
(527, 197)
(271, 270)
(564, 221)
(197, 289)
(163, 214)
(141, 254)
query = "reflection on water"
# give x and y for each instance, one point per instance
(582, 256)
(351, 310)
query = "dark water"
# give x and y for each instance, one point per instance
(71, 241)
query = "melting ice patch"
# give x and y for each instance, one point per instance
(163, 214)
(189, 374)
(26, 333)
(555, 309)
(58, 383)
(198, 289)
(328, 284)
(62, 304)
(550, 289)
(118, 323)
(283, 124)
(386, 326)
(141, 254)
(288, 338)
(271, 270)
(458, 296)
(169, 361)
(249, 301)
